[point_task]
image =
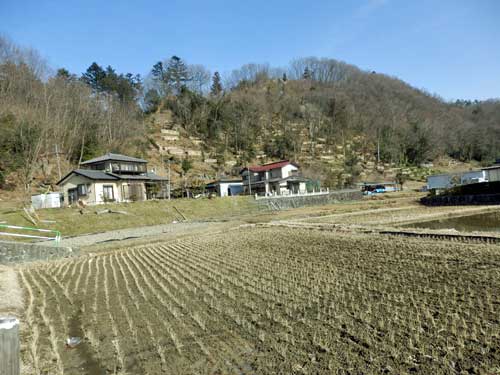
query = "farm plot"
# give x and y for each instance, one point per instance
(268, 300)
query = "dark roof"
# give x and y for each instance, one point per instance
(91, 174)
(225, 181)
(154, 177)
(102, 175)
(377, 183)
(113, 157)
(269, 166)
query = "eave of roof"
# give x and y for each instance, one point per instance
(90, 174)
(107, 176)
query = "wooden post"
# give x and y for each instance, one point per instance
(9, 346)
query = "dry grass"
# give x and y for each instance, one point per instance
(70, 222)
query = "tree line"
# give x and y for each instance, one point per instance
(256, 107)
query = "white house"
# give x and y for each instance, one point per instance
(280, 178)
(110, 178)
(226, 187)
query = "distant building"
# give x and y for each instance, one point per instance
(110, 178)
(277, 178)
(225, 187)
(441, 182)
(492, 173)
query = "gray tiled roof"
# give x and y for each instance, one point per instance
(114, 157)
(150, 176)
(102, 175)
(95, 175)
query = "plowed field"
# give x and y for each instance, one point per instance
(268, 300)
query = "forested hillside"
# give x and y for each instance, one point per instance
(310, 111)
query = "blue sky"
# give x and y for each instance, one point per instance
(451, 48)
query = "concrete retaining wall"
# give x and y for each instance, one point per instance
(283, 202)
(18, 252)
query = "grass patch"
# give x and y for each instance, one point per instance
(70, 222)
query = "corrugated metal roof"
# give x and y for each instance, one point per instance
(113, 157)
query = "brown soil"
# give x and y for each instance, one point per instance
(269, 300)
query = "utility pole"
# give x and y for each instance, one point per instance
(378, 151)
(168, 188)
(167, 161)
(249, 182)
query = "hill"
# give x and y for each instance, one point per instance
(341, 123)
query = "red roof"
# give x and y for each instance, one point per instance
(269, 166)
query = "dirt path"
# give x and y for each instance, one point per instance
(140, 233)
(11, 295)
(398, 215)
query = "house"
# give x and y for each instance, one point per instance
(225, 187)
(277, 178)
(111, 178)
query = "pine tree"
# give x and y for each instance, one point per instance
(216, 88)
(94, 76)
(159, 76)
(177, 74)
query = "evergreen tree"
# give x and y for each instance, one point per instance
(216, 88)
(125, 87)
(65, 75)
(158, 72)
(177, 74)
(94, 76)
(284, 78)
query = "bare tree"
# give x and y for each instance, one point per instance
(199, 78)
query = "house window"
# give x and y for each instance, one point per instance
(82, 190)
(108, 193)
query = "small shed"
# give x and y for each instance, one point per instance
(225, 187)
(492, 173)
(49, 200)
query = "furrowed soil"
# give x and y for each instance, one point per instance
(268, 301)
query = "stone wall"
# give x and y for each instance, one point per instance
(284, 202)
(18, 252)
